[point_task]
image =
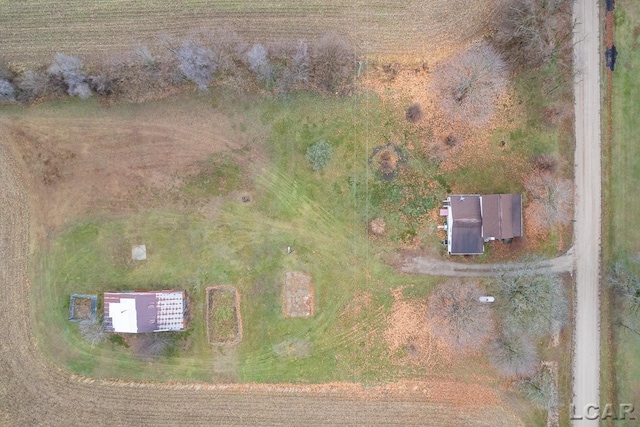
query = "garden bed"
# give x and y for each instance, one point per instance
(224, 324)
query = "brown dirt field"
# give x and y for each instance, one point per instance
(32, 31)
(116, 161)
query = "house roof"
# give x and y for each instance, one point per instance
(466, 230)
(147, 311)
(476, 218)
(501, 216)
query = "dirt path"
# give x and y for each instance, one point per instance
(586, 363)
(441, 267)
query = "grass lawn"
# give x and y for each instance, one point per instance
(622, 206)
(321, 215)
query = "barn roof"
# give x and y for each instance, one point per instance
(144, 311)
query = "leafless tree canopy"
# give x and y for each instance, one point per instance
(626, 281)
(530, 32)
(456, 315)
(259, 62)
(69, 70)
(468, 85)
(551, 200)
(333, 62)
(151, 345)
(531, 304)
(7, 91)
(31, 86)
(197, 63)
(541, 389)
(513, 355)
(92, 331)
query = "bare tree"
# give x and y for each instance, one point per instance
(6, 73)
(468, 85)
(541, 389)
(230, 48)
(626, 282)
(300, 62)
(291, 64)
(197, 63)
(333, 62)
(531, 303)
(92, 331)
(531, 32)
(69, 70)
(7, 91)
(32, 85)
(551, 200)
(259, 63)
(513, 355)
(102, 84)
(457, 316)
(545, 163)
(152, 345)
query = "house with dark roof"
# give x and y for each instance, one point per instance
(144, 311)
(474, 219)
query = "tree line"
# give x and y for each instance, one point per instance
(326, 64)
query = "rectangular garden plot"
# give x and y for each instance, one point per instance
(224, 324)
(298, 294)
(83, 307)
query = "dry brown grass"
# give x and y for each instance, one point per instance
(409, 339)
(83, 163)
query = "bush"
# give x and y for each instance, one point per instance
(414, 113)
(7, 91)
(197, 63)
(545, 163)
(319, 154)
(259, 63)
(32, 85)
(69, 70)
(333, 62)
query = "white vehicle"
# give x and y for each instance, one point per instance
(486, 299)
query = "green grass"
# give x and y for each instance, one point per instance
(622, 205)
(316, 213)
(322, 215)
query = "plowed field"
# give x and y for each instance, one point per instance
(33, 30)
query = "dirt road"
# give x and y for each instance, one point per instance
(586, 364)
(440, 267)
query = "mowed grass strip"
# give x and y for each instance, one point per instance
(623, 205)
